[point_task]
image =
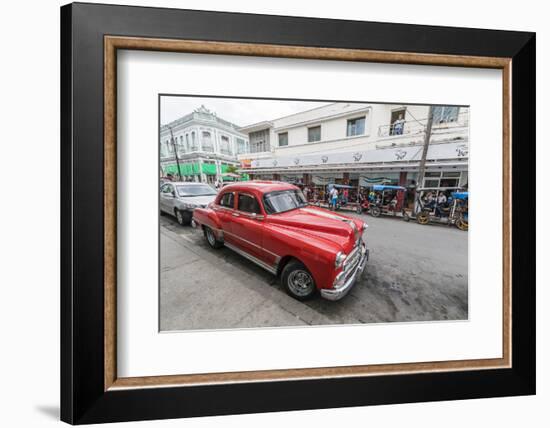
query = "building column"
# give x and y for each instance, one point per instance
(403, 178)
(346, 177)
(202, 176)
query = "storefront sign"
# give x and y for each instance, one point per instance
(458, 150)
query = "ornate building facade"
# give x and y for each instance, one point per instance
(200, 147)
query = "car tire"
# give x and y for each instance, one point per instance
(375, 211)
(298, 281)
(183, 218)
(211, 238)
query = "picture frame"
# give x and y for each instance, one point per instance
(91, 391)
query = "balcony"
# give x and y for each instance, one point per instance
(417, 127)
(411, 132)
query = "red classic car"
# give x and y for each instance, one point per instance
(271, 224)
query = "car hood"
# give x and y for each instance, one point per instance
(323, 224)
(201, 201)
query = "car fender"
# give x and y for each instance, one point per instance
(316, 255)
(207, 217)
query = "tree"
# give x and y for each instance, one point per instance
(232, 169)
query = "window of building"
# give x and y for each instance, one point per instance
(182, 147)
(445, 114)
(248, 204)
(283, 139)
(227, 200)
(225, 146)
(356, 127)
(169, 147)
(397, 121)
(442, 179)
(207, 143)
(314, 134)
(241, 146)
(259, 141)
(187, 145)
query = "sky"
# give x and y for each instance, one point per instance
(239, 111)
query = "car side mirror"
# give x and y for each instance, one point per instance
(255, 216)
(173, 193)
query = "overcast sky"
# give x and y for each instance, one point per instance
(241, 112)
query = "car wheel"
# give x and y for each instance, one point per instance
(375, 211)
(297, 281)
(211, 238)
(406, 216)
(182, 217)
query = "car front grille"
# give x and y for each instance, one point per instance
(353, 259)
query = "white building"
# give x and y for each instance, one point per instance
(360, 144)
(205, 145)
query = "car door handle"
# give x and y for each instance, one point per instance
(236, 215)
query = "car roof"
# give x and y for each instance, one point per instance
(190, 183)
(260, 186)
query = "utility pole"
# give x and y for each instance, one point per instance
(175, 152)
(427, 136)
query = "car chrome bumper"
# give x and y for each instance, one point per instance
(338, 293)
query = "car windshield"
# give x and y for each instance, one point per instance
(195, 190)
(284, 200)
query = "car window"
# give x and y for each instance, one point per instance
(191, 190)
(167, 188)
(227, 200)
(284, 200)
(248, 203)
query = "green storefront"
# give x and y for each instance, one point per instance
(188, 169)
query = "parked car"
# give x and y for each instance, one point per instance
(180, 199)
(272, 225)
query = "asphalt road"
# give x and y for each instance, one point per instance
(415, 273)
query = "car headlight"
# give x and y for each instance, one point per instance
(339, 260)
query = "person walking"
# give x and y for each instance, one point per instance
(333, 198)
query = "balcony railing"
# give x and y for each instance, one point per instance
(404, 128)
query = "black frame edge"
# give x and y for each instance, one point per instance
(66, 316)
(83, 399)
(524, 219)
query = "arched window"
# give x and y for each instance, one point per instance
(182, 145)
(225, 146)
(207, 143)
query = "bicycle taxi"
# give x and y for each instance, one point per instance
(442, 205)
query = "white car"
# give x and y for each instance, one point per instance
(180, 199)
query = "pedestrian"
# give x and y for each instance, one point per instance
(333, 197)
(345, 195)
(399, 125)
(306, 193)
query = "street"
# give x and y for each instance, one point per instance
(415, 273)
